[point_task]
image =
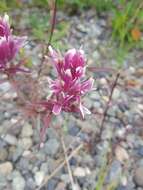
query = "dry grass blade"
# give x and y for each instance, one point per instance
(68, 165)
(48, 177)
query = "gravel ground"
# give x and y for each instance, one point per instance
(117, 157)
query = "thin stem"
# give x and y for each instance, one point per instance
(48, 177)
(53, 22)
(108, 104)
(68, 165)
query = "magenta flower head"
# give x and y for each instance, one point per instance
(9, 46)
(70, 85)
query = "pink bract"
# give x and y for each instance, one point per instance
(9, 46)
(70, 85)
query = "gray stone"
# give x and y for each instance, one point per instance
(138, 176)
(140, 150)
(115, 172)
(23, 164)
(3, 182)
(65, 178)
(25, 143)
(44, 168)
(51, 184)
(27, 130)
(30, 184)
(18, 183)
(10, 139)
(3, 154)
(16, 153)
(52, 147)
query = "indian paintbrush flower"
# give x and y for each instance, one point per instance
(70, 86)
(9, 46)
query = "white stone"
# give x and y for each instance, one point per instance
(116, 94)
(39, 177)
(81, 172)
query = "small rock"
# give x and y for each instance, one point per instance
(140, 150)
(30, 184)
(6, 168)
(27, 130)
(138, 176)
(115, 172)
(81, 172)
(3, 154)
(51, 184)
(44, 168)
(10, 139)
(25, 143)
(121, 154)
(18, 182)
(15, 153)
(61, 186)
(116, 94)
(23, 164)
(39, 176)
(65, 178)
(51, 147)
(3, 182)
(73, 130)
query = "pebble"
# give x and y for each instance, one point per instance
(25, 143)
(39, 177)
(140, 150)
(81, 172)
(115, 172)
(65, 178)
(52, 183)
(138, 176)
(121, 154)
(73, 130)
(51, 147)
(10, 139)
(116, 94)
(30, 184)
(3, 154)
(6, 168)
(61, 186)
(15, 153)
(27, 130)
(18, 182)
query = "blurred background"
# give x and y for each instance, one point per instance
(117, 24)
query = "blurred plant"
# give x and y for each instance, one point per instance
(126, 24)
(78, 5)
(9, 47)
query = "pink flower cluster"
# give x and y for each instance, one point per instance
(9, 45)
(69, 86)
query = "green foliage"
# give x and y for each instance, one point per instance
(76, 5)
(39, 25)
(125, 18)
(127, 27)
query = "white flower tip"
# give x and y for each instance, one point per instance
(6, 17)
